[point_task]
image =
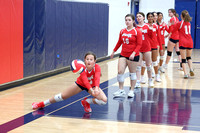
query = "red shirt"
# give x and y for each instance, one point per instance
(175, 34)
(131, 41)
(146, 35)
(155, 40)
(185, 38)
(89, 79)
(163, 27)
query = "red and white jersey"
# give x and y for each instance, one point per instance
(155, 40)
(89, 79)
(163, 27)
(146, 36)
(131, 41)
(184, 29)
(175, 34)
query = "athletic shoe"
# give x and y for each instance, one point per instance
(158, 78)
(137, 85)
(165, 66)
(186, 76)
(119, 99)
(37, 105)
(161, 69)
(152, 74)
(131, 94)
(191, 73)
(143, 81)
(151, 84)
(180, 68)
(119, 93)
(86, 106)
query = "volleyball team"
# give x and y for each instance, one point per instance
(142, 43)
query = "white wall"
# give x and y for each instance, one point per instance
(157, 6)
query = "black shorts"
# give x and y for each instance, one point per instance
(136, 58)
(82, 88)
(174, 41)
(181, 47)
(154, 49)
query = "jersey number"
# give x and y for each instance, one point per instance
(126, 40)
(187, 29)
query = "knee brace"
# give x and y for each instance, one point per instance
(169, 53)
(183, 60)
(155, 63)
(138, 69)
(148, 68)
(120, 77)
(99, 102)
(188, 58)
(133, 76)
(178, 53)
(161, 57)
(143, 64)
(58, 97)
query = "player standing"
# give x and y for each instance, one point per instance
(185, 41)
(145, 50)
(131, 40)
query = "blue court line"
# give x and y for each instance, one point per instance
(179, 62)
(20, 121)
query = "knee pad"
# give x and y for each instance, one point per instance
(148, 68)
(183, 60)
(178, 53)
(161, 57)
(99, 102)
(143, 64)
(188, 58)
(155, 63)
(58, 97)
(138, 69)
(133, 76)
(169, 53)
(120, 77)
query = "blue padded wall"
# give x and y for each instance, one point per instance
(56, 32)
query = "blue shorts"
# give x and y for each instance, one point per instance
(81, 87)
(136, 58)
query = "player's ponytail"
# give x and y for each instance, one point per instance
(186, 16)
(174, 12)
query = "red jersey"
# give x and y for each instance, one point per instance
(89, 79)
(155, 40)
(163, 27)
(185, 38)
(131, 41)
(146, 36)
(175, 34)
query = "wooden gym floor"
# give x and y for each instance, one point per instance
(171, 107)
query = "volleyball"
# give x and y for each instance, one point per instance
(77, 66)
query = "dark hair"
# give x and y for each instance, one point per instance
(90, 53)
(158, 13)
(141, 13)
(130, 15)
(174, 12)
(149, 13)
(186, 16)
(133, 18)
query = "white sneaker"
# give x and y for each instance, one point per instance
(131, 94)
(180, 68)
(143, 81)
(158, 78)
(161, 69)
(119, 93)
(137, 85)
(152, 74)
(151, 84)
(165, 66)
